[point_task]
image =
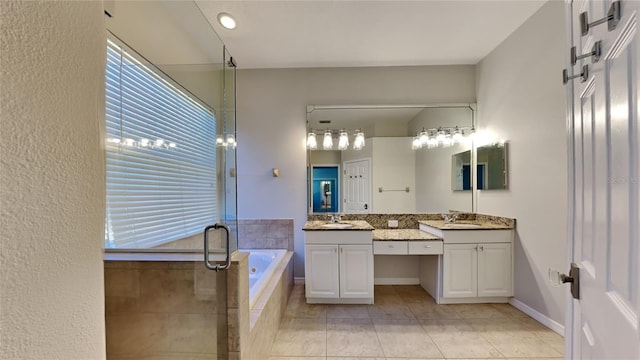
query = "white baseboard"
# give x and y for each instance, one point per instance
(298, 280)
(396, 281)
(543, 319)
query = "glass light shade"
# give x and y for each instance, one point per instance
(424, 137)
(343, 141)
(219, 140)
(440, 136)
(327, 142)
(416, 144)
(358, 142)
(231, 140)
(432, 142)
(144, 142)
(312, 143)
(457, 136)
(448, 141)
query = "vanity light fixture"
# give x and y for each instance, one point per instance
(226, 20)
(327, 142)
(441, 137)
(343, 140)
(312, 143)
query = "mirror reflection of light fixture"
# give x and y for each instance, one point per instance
(143, 143)
(327, 139)
(358, 142)
(312, 143)
(343, 141)
(228, 141)
(442, 136)
(327, 142)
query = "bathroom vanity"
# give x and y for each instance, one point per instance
(476, 265)
(468, 261)
(338, 262)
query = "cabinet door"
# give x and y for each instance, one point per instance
(356, 271)
(460, 270)
(321, 271)
(494, 270)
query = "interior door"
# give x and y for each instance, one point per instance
(603, 127)
(357, 186)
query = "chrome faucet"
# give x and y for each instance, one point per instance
(335, 218)
(450, 218)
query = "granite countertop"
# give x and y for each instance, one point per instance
(357, 225)
(481, 225)
(402, 235)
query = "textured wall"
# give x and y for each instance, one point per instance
(272, 126)
(52, 180)
(521, 99)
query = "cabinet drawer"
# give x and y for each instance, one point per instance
(390, 248)
(425, 247)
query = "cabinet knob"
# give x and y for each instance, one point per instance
(481, 248)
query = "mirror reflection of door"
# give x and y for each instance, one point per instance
(357, 186)
(325, 189)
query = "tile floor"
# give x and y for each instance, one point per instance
(405, 323)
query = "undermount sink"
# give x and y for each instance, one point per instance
(337, 226)
(461, 226)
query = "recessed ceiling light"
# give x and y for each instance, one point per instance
(227, 21)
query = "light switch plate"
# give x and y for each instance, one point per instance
(393, 223)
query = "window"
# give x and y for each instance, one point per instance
(160, 154)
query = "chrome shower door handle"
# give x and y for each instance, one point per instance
(209, 265)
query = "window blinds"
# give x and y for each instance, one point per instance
(160, 154)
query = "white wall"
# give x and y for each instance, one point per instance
(272, 126)
(52, 180)
(521, 98)
(393, 168)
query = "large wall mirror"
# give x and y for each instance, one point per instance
(386, 159)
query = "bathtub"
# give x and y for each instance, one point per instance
(262, 264)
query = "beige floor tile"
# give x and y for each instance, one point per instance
(514, 338)
(405, 338)
(298, 308)
(457, 339)
(297, 358)
(347, 312)
(413, 294)
(352, 337)
(355, 358)
(432, 311)
(509, 311)
(301, 337)
(390, 311)
(478, 311)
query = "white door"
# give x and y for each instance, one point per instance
(321, 271)
(603, 182)
(460, 270)
(494, 270)
(357, 186)
(356, 271)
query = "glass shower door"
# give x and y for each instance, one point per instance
(169, 178)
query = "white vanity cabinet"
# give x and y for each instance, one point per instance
(338, 267)
(476, 266)
(477, 270)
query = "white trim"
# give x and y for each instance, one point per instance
(543, 319)
(298, 280)
(397, 281)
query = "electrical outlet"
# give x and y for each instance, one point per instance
(393, 223)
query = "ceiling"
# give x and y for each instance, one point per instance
(323, 33)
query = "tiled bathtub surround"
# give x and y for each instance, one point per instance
(265, 234)
(252, 331)
(410, 221)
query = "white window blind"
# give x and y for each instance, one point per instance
(160, 153)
